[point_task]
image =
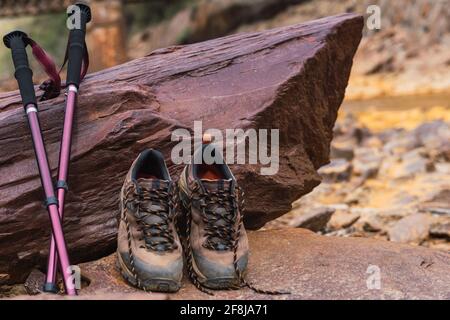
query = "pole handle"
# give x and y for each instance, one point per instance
(17, 42)
(76, 46)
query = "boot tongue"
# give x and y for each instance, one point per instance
(216, 185)
(149, 185)
(218, 209)
(152, 183)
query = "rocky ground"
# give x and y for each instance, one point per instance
(389, 178)
(306, 265)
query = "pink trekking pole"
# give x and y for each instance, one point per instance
(76, 69)
(16, 41)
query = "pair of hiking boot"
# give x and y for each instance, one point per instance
(150, 252)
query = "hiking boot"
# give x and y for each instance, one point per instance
(149, 250)
(217, 244)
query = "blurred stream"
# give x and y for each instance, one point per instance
(398, 102)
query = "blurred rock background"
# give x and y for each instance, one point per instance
(390, 168)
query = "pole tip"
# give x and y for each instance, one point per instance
(50, 288)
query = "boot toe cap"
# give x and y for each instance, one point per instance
(216, 275)
(163, 278)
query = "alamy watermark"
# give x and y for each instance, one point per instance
(74, 19)
(373, 21)
(74, 273)
(234, 145)
(373, 281)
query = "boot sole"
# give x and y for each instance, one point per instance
(154, 284)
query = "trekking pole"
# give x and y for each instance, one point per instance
(77, 55)
(16, 41)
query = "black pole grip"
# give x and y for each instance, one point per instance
(76, 45)
(16, 42)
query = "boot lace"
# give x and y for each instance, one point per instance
(219, 213)
(151, 201)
